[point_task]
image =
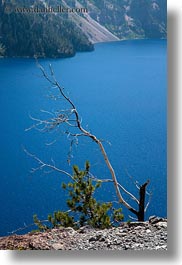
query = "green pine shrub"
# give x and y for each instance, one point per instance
(84, 209)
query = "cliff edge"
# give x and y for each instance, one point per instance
(149, 235)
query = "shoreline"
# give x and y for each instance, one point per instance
(71, 56)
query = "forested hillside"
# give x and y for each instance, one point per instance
(62, 34)
(129, 19)
(42, 35)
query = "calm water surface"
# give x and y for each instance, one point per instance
(120, 91)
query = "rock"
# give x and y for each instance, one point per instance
(84, 229)
(137, 224)
(162, 224)
(151, 218)
(58, 246)
(154, 219)
(159, 247)
(126, 247)
(151, 235)
(92, 239)
(121, 234)
(102, 239)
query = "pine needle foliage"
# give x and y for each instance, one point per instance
(84, 209)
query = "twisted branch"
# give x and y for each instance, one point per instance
(72, 119)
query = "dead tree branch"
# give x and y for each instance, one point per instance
(42, 165)
(72, 119)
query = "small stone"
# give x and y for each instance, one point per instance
(102, 239)
(158, 247)
(91, 239)
(162, 224)
(134, 239)
(154, 220)
(126, 247)
(84, 229)
(123, 234)
(151, 218)
(57, 246)
(136, 245)
(138, 227)
(70, 230)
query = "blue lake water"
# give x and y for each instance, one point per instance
(120, 91)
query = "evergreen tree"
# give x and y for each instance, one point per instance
(84, 209)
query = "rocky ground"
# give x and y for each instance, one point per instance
(150, 235)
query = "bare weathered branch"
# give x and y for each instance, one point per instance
(130, 194)
(132, 218)
(135, 182)
(26, 227)
(46, 165)
(72, 119)
(111, 180)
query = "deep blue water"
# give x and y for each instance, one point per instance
(120, 91)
